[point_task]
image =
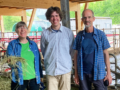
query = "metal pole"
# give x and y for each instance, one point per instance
(119, 40)
(65, 11)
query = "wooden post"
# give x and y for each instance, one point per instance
(103, 30)
(86, 6)
(2, 26)
(78, 18)
(119, 40)
(36, 35)
(117, 46)
(31, 19)
(113, 43)
(82, 25)
(24, 16)
(65, 11)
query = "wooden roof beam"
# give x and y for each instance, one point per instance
(11, 12)
(31, 19)
(84, 1)
(32, 3)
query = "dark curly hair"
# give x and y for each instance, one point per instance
(51, 10)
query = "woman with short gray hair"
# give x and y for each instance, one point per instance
(29, 76)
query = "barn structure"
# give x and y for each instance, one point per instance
(19, 7)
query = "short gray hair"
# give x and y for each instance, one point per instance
(20, 24)
(90, 10)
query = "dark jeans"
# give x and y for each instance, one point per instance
(86, 83)
(27, 84)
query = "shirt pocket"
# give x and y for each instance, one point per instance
(65, 42)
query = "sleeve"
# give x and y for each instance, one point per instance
(71, 40)
(40, 67)
(75, 44)
(105, 42)
(10, 50)
(42, 44)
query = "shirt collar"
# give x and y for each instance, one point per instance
(18, 41)
(60, 30)
(94, 31)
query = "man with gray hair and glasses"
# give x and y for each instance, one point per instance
(91, 56)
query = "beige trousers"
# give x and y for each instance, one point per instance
(59, 82)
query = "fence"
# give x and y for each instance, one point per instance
(9, 36)
(113, 35)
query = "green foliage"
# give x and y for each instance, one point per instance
(9, 21)
(28, 12)
(107, 8)
(72, 14)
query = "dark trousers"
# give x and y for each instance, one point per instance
(27, 84)
(86, 83)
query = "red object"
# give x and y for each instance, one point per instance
(8, 70)
(10, 39)
(111, 35)
(39, 50)
(2, 50)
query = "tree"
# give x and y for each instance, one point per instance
(107, 8)
(9, 21)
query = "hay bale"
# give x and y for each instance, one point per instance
(5, 77)
(5, 83)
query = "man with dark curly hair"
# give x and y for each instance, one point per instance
(56, 47)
